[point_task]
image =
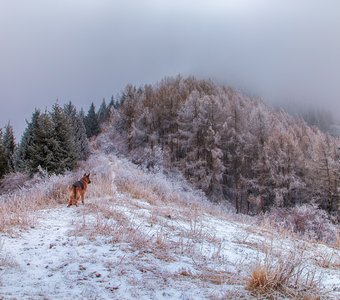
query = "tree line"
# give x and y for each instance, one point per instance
(233, 147)
(53, 141)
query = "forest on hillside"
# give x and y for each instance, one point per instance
(233, 147)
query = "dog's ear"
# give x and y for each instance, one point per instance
(85, 175)
(88, 175)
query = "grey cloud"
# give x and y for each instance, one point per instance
(86, 50)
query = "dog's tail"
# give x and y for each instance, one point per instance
(74, 192)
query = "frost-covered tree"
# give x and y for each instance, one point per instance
(328, 172)
(38, 145)
(142, 133)
(65, 146)
(186, 130)
(21, 158)
(52, 141)
(82, 150)
(46, 143)
(234, 141)
(129, 108)
(91, 122)
(3, 158)
(232, 146)
(9, 146)
(199, 142)
(114, 103)
(104, 111)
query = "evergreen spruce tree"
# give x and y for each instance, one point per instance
(82, 150)
(21, 160)
(111, 107)
(112, 103)
(3, 158)
(103, 112)
(82, 115)
(65, 151)
(82, 141)
(39, 145)
(9, 146)
(91, 122)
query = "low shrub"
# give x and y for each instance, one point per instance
(305, 220)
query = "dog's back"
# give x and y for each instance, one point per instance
(78, 190)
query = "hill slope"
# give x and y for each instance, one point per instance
(146, 236)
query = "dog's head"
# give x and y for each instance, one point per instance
(86, 178)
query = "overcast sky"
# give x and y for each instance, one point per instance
(84, 50)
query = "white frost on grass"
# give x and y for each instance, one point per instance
(127, 245)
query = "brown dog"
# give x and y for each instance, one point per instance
(78, 190)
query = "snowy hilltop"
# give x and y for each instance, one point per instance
(148, 235)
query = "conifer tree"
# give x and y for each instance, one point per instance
(113, 103)
(38, 145)
(91, 122)
(82, 143)
(82, 150)
(9, 146)
(82, 116)
(103, 112)
(112, 108)
(3, 158)
(328, 172)
(21, 159)
(129, 107)
(65, 151)
(199, 140)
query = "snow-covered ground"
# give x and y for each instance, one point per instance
(142, 241)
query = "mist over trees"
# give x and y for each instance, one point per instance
(314, 116)
(233, 147)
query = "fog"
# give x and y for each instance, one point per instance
(84, 50)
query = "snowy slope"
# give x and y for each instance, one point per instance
(139, 236)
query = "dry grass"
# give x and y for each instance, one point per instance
(13, 217)
(16, 208)
(103, 209)
(104, 219)
(337, 240)
(137, 191)
(218, 277)
(158, 190)
(286, 276)
(109, 218)
(270, 226)
(205, 274)
(327, 260)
